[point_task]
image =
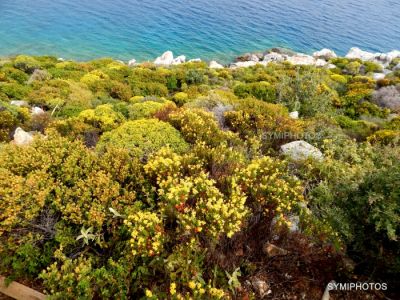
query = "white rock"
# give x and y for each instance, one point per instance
(300, 150)
(61, 59)
(19, 103)
(37, 111)
(294, 115)
(392, 55)
(195, 60)
(378, 76)
(363, 55)
(215, 65)
(179, 60)
(243, 64)
(21, 137)
(301, 59)
(320, 63)
(330, 66)
(274, 57)
(132, 62)
(166, 59)
(326, 54)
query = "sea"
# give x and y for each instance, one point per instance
(207, 29)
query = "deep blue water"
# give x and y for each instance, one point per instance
(213, 29)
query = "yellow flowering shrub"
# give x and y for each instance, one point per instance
(196, 201)
(103, 117)
(197, 125)
(144, 137)
(270, 188)
(93, 77)
(147, 233)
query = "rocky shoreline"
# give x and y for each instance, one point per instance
(319, 59)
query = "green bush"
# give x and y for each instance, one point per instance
(144, 137)
(261, 90)
(145, 109)
(8, 122)
(356, 128)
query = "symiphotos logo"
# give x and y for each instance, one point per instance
(356, 286)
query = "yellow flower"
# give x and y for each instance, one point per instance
(192, 285)
(172, 288)
(149, 294)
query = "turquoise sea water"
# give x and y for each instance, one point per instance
(213, 29)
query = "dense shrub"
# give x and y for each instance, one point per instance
(102, 117)
(261, 90)
(144, 137)
(356, 129)
(305, 91)
(199, 126)
(7, 123)
(146, 109)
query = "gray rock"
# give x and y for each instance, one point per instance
(247, 57)
(397, 67)
(301, 150)
(19, 103)
(179, 60)
(22, 138)
(274, 57)
(325, 54)
(282, 51)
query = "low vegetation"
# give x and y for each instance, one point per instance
(148, 182)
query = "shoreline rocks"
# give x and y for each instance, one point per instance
(319, 58)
